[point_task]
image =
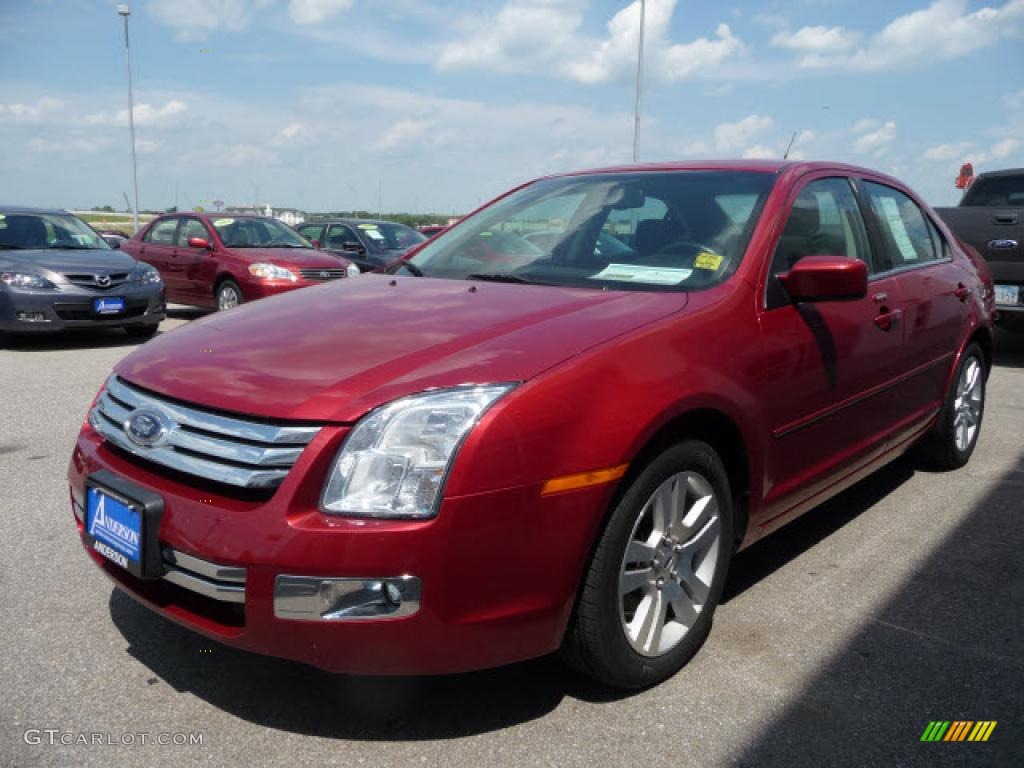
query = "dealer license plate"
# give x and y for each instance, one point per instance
(116, 528)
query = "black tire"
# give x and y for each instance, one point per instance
(224, 290)
(596, 642)
(939, 448)
(141, 331)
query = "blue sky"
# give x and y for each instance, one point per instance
(439, 106)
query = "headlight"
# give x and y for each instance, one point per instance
(271, 272)
(351, 270)
(21, 280)
(146, 275)
(395, 460)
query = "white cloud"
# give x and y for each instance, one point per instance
(146, 146)
(68, 146)
(760, 152)
(732, 137)
(944, 30)
(875, 142)
(948, 152)
(402, 133)
(866, 124)
(46, 107)
(1000, 151)
(196, 19)
(145, 114)
(816, 39)
(293, 133)
(544, 36)
(316, 11)
(1014, 100)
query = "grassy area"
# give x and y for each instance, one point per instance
(103, 220)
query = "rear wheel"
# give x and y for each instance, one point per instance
(657, 574)
(951, 443)
(229, 295)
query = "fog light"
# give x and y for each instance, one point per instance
(33, 317)
(306, 598)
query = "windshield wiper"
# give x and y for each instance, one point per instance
(498, 277)
(71, 248)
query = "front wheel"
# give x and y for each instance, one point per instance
(658, 571)
(229, 295)
(952, 441)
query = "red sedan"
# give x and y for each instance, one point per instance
(474, 461)
(221, 260)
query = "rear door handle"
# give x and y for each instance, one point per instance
(1005, 218)
(886, 320)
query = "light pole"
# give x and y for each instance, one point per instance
(124, 11)
(639, 83)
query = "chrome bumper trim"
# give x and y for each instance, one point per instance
(219, 582)
(309, 598)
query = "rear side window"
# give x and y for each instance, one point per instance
(905, 231)
(339, 235)
(191, 228)
(1007, 191)
(162, 233)
(825, 220)
(312, 231)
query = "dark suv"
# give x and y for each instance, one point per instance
(368, 243)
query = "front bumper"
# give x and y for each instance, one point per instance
(71, 307)
(496, 573)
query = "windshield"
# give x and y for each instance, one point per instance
(387, 236)
(61, 231)
(684, 230)
(257, 233)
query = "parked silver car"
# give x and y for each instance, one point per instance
(56, 272)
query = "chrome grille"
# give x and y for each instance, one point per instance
(224, 449)
(322, 274)
(99, 282)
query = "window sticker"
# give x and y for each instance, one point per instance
(375, 234)
(368, 227)
(898, 229)
(223, 222)
(634, 273)
(707, 260)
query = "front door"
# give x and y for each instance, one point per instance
(193, 266)
(831, 361)
(157, 250)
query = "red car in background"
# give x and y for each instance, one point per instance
(505, 448)
(225, 259)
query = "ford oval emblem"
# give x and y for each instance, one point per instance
(146, 427)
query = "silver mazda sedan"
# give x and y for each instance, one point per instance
(56, 272)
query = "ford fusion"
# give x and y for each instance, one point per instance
(56, 272)
(549, 429)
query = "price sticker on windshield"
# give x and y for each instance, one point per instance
(707, 260)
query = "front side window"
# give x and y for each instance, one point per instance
(825, 220)
(683, 230)
(253, 232)
(162, 233)
(340, 235)
(191, 228)
(906, 237)
(60, 231)
(312, 231)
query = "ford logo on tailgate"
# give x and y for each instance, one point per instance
(1002, 245)
(146, 427)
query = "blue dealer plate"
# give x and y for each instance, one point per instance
(108, 306)
(1007, 295)
(115, 526)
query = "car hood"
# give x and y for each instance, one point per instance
(298, 257)
(332, 352)
(60, 261)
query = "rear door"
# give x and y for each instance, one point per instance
(934, 288)
(157, 249)
(196, 266)
(830, 363)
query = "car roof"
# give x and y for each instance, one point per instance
(344, 220)
(1002, 173)
(32, 209)
(750, 165)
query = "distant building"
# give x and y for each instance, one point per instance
(290, 216)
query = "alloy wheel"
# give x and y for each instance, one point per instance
(669, 564)
(227, 297)
(967, 404)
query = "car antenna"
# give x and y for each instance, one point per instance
(786, 156)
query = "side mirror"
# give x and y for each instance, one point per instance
(200, 242)
(826, 278)
(316, 244)
(353, 247)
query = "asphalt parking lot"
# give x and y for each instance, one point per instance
(841, 636)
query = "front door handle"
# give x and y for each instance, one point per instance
(962, 292)
(886, 320)
(1005, 218)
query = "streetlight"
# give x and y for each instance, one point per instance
(639, 83)
(125, 12)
